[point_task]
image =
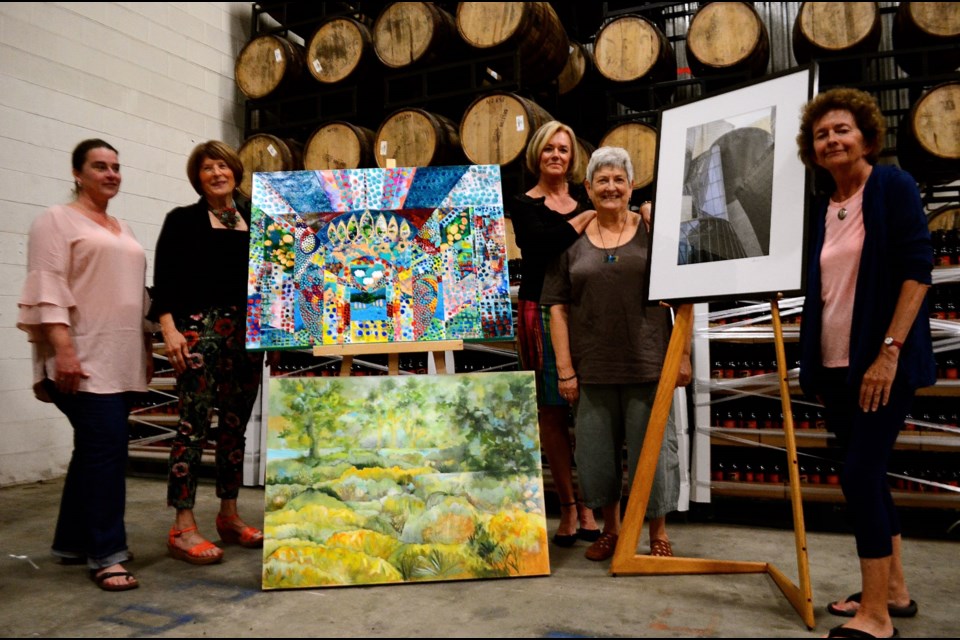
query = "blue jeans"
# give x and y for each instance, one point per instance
(90, 524)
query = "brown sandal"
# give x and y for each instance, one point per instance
(603, 548)
(661, 548)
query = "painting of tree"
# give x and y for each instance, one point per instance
(403, 479)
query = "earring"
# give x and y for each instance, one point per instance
(79, 185)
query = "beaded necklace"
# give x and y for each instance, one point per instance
(228, 217)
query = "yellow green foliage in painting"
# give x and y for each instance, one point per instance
(402, 504)
(293, 567)
(397, 474)
(436, 562)
(310, 521)
(526, 538)
(447, 520)
(357, 489)
(397, 509)
(522, 529)
(270, 545)
(370, 543)
(276, 496)
(449, 528)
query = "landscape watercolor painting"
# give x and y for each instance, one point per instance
(397, 479)
(377, 255)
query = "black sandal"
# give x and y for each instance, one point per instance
(588, 535)
(100, 579)
(566, 540)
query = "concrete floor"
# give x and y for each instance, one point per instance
(580, 599)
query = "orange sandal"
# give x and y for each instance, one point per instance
(249, 537)
(193, 555)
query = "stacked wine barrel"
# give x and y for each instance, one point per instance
(376, 84)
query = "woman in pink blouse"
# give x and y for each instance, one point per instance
(83, 306)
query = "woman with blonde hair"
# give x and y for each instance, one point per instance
(546, 220)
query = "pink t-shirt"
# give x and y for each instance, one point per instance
(82, 275)
(839, 263)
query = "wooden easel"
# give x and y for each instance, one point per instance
(393, 351)
(626, 560)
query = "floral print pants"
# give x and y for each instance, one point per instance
(224, 379)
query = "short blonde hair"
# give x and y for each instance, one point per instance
(213, 150)
(540, 139)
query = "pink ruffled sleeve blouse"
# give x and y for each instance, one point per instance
(84, 276)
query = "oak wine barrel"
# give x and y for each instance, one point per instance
(584, 150)
(945, 218)
(928, 137)
(340, 48)
(640, 141)
(533, 29)
(263, 152)
(927, 24)
(411, 33)
(727, 38)
(269, 65)
(417, 138)
(497, 126)
(825, 29)
(633, 50)
(339, 145)
(578, 71)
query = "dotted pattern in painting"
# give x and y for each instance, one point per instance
(377, 255)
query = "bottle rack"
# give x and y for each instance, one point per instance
(738, 418)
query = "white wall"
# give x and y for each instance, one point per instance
(153, 79)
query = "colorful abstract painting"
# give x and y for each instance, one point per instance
(393, 479)
(377, 255)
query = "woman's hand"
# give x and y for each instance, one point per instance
(177, 347)
(646, 214)
(178, 352)
(68, 371)
(569, 390)
(877, 381)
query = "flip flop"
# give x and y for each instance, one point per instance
(101, 580)
(847, 632)
(908, 611)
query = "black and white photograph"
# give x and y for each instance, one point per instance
(729, 194)
(726, 189)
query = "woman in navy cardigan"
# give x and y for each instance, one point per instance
(865, 337)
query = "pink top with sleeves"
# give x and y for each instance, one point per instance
(839, 264)
(84, 276)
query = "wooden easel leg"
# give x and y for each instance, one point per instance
(626, 561)
(393, 364)
(440, 362)
(647, 464)
(346, 365)
(802, 599)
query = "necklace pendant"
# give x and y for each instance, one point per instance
(610, 258)
(842, 213)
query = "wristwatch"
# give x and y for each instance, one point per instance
(890, 342)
